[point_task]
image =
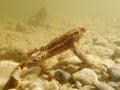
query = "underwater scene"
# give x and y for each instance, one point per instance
(59, 45)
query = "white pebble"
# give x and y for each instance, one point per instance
(86, 75)
(114, 72)
(103, 86)
(107, 63)
(102, 42)
(117, 53)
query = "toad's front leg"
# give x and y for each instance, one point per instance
(83, 57)
(81, 54)
(85, 60)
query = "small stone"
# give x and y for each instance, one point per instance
(71, 68)
(35, 84)
(24, 71)
(35, 69)
(53, 85)
(45, 76)
(87, 87)
(100, 51)
(70, 60)
(78, 84)
(114, 72)
(62, 76)
(117, 53)
(117, 61)
(107, 63)
(37, 88)
(111, 46)
(86, 76)
(93, 59)
(117, 43)
(102, 42)
(113, 84)
(107, 57)
(103, 86)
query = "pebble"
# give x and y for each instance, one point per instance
(100, 51)
(117, 43)
(113, 84)
(93, 58)
(114, 72)
(70, 60)
(117, 61)
(71, 68)
(86, 76)
(107, 63)
(117, 53)
(35, 69)
(62, 76)
(111, 46)
(53, 85)
(24, 71)
(103, 86)
(87, 87)
(78, 84)
(35, 84)
(102, 42)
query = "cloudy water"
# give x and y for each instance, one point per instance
(24, 8)
(30, 24)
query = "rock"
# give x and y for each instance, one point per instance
(107, 57)
(113, 84)
(86, 76)
(111, 46)
(117, 43)
(114, 72)
(117, 53)
(100, 51)
(103, 86)
(78, 84)
(70, 60)
(35, 69)
(30, 84)
(87, 87)
(62, 76)
(102, 42)
(53, 85)
(45, 76)
(36, 88)
(117, 61)
(93, 58)
(24, 72)
(107, 63)
(71, 68)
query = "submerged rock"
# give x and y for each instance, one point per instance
(114, 72)
(62, 76)
(103, 86)
(70, 60)
(102, 42)
(117, 53)
(71, 68)
(100, 51)
(86, 76)
(107, 63)
(78, 84)
(113, 84)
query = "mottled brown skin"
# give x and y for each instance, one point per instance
(56, 46)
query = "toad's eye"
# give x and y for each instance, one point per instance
(75, 34)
